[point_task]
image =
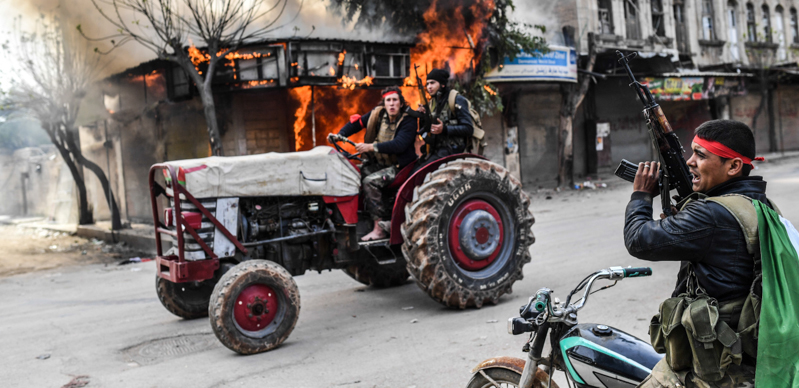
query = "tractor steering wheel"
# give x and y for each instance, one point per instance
(338, 138)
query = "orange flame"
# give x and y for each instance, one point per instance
(448, 40)
(333, 107)
(489, 90)
(350, 83)
(341, 57)
(303, 95)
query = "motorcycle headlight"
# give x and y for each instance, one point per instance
(519, 325)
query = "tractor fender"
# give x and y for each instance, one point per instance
(405, 193)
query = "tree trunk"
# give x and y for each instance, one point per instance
(74, 148)
(772, 125)
(207, 97)
(85, 216)
(572, 97)
(566, 150)
(116, 222)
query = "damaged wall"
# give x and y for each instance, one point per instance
(48, 185)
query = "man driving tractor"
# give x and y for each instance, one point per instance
(388, 146)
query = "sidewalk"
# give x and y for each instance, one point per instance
(139, 237)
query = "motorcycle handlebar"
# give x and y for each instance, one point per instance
(637, 272)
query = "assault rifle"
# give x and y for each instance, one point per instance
(426, 117)
(674, 174)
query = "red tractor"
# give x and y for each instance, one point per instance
(242, 226)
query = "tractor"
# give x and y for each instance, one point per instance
(241, 227)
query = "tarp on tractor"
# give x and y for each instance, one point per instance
(320, 171)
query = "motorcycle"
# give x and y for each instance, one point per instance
(591, 355)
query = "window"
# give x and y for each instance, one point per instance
(388, 62)
(779, 29)
(751, 31)
(631, 16)
(732, 32)
(657, 18)
(679, 27)
(794, 27)
(257, 65)
(605, 17)
(707, 20)
(766, 24)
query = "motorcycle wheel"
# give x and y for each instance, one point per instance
(254, 307)
(467, 233)
(369, 272)
(504, 378)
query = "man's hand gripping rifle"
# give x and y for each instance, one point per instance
(675, 173)
(426, 118)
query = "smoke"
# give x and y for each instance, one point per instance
(551, 14)
(301, 19)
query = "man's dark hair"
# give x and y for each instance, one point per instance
(733, 134)
(393, 89)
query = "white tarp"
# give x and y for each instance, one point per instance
(320, 171)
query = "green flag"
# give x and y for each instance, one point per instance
(778, 335)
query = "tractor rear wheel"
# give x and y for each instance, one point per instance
(254, 307)
(368, 271)
(467, 233)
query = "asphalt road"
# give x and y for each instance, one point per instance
(106, 323)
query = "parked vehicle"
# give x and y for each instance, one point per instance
(243, 226)
(591, 355)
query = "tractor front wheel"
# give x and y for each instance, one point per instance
(254, 307)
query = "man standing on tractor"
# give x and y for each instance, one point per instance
(452, 127)
(388, 147)
(708, 329)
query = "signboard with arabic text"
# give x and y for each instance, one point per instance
(559, 65)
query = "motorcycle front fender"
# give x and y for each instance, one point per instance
(513, 364)
(510, 363)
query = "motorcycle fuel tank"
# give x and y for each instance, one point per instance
(602, 356)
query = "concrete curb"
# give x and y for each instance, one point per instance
(136, 241)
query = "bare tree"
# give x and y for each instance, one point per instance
(166, 26)
(573, 95)
(57, 67)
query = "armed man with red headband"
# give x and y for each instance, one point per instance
(388, 147)
(713, 299)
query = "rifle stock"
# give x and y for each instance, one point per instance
(674, 171)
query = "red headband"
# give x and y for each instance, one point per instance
(390, 92)
(723, 151)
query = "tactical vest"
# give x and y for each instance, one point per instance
(380, 130)
(696, 331)
(446, 113)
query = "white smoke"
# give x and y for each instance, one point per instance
(301, 19)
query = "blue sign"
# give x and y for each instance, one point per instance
(559, 65)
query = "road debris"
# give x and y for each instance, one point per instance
(408, 308)
(492, 321)
(43, 356)
(77, 382)
(414, 320)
